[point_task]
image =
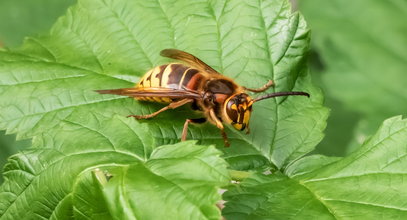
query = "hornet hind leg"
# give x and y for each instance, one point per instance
(172, 105)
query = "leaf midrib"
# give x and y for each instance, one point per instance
(316, 196)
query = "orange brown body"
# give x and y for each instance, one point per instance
(219, 98)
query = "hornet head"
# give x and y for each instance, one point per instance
(237, 110)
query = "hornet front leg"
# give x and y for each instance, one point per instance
(269, 84)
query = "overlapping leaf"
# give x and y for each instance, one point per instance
(39, 181)
(8, 147)
(17, 20)
(368, 184)
(47, 181)
(88, 202)
(181, 180)
(102, 44)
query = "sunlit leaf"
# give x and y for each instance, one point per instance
(182, 180)
(103, 44)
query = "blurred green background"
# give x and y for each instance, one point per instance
(358, 57)
(22, 18)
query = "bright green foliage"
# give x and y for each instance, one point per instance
(90, 162)
(46, 181)
(45, 175)
(181, 180)
(363, 48)
(272, 197)
(17, 20)
(367, 184)
(110, 44)
(87, 201)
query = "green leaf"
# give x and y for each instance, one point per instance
(272, 197)
(39, 181)
(368, 184)
(182, 180)
(51, 180)
(24, 17)
(8, 147)
(87, 200)
(103, 44)
(362, 48)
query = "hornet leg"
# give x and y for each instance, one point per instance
(185, 129)
(220, 126)
(170, 106)
(269, 84)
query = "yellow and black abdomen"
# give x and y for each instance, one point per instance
(174, 76)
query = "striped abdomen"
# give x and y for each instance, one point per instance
(174, 75)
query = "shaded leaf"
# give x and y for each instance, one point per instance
(368, 184)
